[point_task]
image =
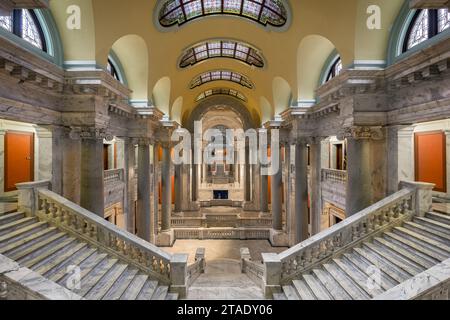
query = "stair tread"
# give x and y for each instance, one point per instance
(439, 216)
(409, 254)
(438, 245)
(93, 278)
(147, 290)
(416, 246)
(346, 282)
(16, 233)
(36, 247)
(316, 287)
(333, 287)
(358, 277)
(290, 293)
(78, 260)
(31, 263)
(432, 222)
(394, 272)
(15, 244)
(135, 287)
(172, 296)
(14, 215)
(303, 291)
(394, 260)
(16, 223)
(279, 296)
(428, 232)
(60, 259)
(107, 282)
(160, 293)
(121, 285)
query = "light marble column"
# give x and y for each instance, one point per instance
(156, 178)
(166, 189)
(366, 169)
(247, 175)
(71, 168)
(264, 193)
(130, 192)
(301, 191)
(92, 182)
(316, 187)
(399, 148)
(276, 195)
(144, 223)
(178, 188)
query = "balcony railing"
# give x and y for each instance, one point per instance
(334, 176)
(114, 176)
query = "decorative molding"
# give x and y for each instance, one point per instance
(361, 133)
(90, 133)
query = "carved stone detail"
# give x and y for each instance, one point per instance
(86, 133)
(359, 133)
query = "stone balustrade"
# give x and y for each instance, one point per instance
(253, 269)
(413, 199)
(198, 267)
(334, 176)
(114, 176)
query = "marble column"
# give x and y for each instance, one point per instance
(276, 195)
(178, 188)
(393, 158)
(194, 189)
(366, 169)
(166, 189)
(316, 188)
(92, 182)
(247, 175)
(156, 178)
(264, 193)
(130, 189)
(144, 223)
(301, 191)
(71, 168)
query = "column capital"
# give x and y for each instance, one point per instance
(364, 133)
(142, 141)
(90, 133)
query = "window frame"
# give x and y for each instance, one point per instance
(198, 81)
(181, 6)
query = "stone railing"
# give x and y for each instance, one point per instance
(253, 270)
(113, 176)
(412, 199)
(196, 269)
(36, 200)
(334, 176)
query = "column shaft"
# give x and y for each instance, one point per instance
(166, 190)
(301, 192)
(316, 179)
(276, 196)
(144, 223)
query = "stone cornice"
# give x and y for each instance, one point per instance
(429, 4)
(6, 6)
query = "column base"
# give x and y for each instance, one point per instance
(279, 238)
(250, 206)
(165, 238)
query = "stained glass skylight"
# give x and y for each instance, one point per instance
(221, 91)
(419, 32)
(178, 12)
(222, 48)
(30, 31)
(443, 19)
(6, 22)
(218, 75)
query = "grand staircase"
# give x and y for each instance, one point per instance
(49, 251)
(378, 265)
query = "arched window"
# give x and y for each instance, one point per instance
(425, 25)
(222, 49)
(24, 24)
(112, 70)
(224, 75)
(335, 69)
(178, 12)
(221, 91)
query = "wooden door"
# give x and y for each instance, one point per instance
(430, 159)
(339, 156)
(19, 158)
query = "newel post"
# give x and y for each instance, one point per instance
(272, 274)
(200, 256)
(245, 255)
(423, 198)
(28, 196)
(179, 274)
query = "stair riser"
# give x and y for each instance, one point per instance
(428, 234)
(22, 236)
(6, 219)
(438, 218)
(32, 243)
(17, 227)
(421, 243)
(433, 226)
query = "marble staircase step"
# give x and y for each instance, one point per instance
(147, 290)
(95, 276)
(423, 240)
(60, 259)
(77, 259)
(23, 236)
(433, 224)
(48, 254)
(399, 262)
(317, 288)
(358, 277)
(121, 284)
(279, 296)
(290, 293)
(302, 290)
(16, 225)
(346, 283)
(106, 282)
(172, 296)
(357, 262)
(10, 217)
(444, 218)
(36, 248)
(417, 247)
(86, 266)
(424, 262)
(429, 232)
(135, 287)
(160, 293)
(380, 263)
(331, 285)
